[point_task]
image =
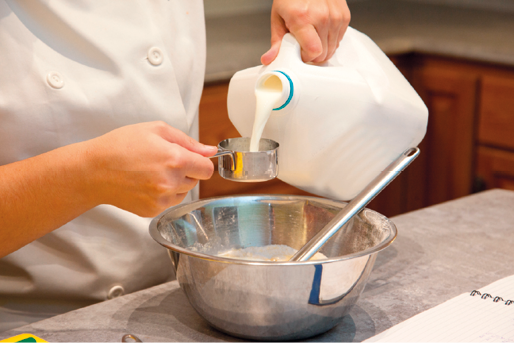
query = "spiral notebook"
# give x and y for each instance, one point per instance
(483, 315)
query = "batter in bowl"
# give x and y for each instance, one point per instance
(272, 252)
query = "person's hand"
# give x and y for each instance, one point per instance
(318, 25)
(142, 168)
(146, 168)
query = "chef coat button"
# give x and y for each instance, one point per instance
(55, 80)
(116, 291)
(155, 56)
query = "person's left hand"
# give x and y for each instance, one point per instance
(318, 25)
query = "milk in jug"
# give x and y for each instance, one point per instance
(338, 124)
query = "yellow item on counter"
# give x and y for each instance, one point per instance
(24, 337)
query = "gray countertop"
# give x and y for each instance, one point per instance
(237, 42)
(441, 251)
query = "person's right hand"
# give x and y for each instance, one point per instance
(146, 168)
(318, 26)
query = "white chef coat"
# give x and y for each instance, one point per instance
(71, 71)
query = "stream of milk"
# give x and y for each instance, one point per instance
(267, 96)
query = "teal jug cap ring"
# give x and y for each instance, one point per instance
(291, 91)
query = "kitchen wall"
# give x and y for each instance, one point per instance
(217, 8)
(502, 5)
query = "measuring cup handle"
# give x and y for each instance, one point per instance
(229, 153)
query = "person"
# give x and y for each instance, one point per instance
(99, 133)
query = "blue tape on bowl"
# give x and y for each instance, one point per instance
(316, 285)
(291, 90)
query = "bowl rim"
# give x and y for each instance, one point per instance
(154, 232)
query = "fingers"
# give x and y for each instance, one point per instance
(278, 30)
(147, 167)
(184, 169)
(310, 41)
(151, 206)
(335, 33)
(184, 157)
(301, 18)
(344, 19)
(338, 20)
(173, 135)
(271, 54)
(169, 187)
(318, 25)
(182, 185)
(192, 165)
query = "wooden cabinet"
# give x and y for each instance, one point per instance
(469, 143)
(495, 168)
(495, 156)
(471, 125)
(448, 147)
(496, 117)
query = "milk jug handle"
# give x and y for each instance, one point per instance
(290, 50)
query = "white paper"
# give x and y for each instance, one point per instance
(464, 318)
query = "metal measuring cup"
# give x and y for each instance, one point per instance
(237, 163)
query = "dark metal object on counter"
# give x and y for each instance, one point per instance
(130, 338)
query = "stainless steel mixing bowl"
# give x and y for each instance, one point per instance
(270, 300)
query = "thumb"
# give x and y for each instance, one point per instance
(278, 30)
(271, 54)
(178, 137)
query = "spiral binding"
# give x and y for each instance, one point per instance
(495, 299)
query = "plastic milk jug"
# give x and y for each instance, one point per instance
(338, 124)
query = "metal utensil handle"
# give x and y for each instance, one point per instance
(229, 153)
(356, 205)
